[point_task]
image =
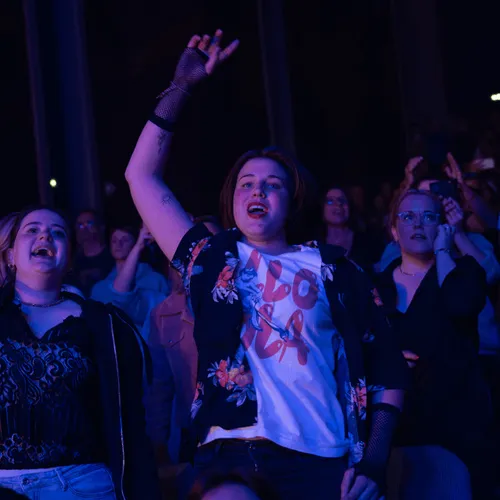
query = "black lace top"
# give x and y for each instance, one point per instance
(49, 410)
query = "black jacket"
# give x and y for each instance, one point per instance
(448, 404)
(123, 365)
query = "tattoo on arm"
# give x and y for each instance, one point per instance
(166, 199)
(161, 140)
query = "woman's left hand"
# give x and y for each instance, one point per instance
(358, 487)
(454, 214)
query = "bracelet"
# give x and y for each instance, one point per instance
(446, 250)
(166, 125)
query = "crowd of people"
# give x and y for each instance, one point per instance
(219, 357)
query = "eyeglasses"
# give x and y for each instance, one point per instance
(87, 223)
(426, 218)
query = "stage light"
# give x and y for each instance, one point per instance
(53, 183)
(495, 97)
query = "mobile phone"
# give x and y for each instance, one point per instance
(446, 189)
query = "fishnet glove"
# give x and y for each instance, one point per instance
(384, 420)
(190, 69)
(189, 72)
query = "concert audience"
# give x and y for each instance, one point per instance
(269, 369)
(132, 286)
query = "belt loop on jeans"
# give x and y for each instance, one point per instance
(60, 476)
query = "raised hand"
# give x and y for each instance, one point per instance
(212, 49)
(410, 168)
(482, 164)
(454, 214)
(444, 238)
(453, 170)
(145, 238)
(200, 59)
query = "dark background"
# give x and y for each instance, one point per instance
(344, 78)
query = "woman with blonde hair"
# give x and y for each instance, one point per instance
(433, 300)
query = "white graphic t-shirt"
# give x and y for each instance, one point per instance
(287, 337)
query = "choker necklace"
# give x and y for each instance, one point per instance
(60, 300)
(410, 274)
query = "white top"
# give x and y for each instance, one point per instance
(287, 334)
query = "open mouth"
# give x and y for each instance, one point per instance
(43, 252)
(257, 210)
(419, 236)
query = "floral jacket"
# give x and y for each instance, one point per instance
(367, 359)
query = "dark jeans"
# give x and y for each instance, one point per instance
(290, 474)
(491, 371)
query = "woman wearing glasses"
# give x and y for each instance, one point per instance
(433, 302)
(340, 229)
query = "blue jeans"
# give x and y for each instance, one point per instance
(92, 481)
(290, 474)
(427, 472)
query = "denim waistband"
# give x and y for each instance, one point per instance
(63, 474)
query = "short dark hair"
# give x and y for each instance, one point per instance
(97, 215)
(126, 228)
(297, 182)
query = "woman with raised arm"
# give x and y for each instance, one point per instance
(284, 332)
(132, 286)
(71, 370)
